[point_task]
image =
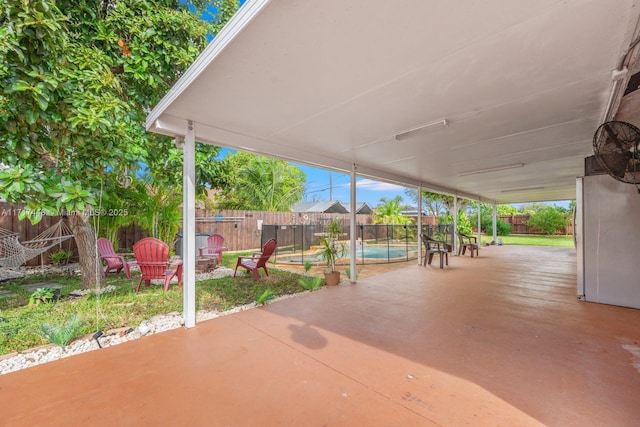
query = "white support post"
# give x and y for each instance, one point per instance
(353, 235)
(494, 219)
(189, 227)
(455, 224)
(419, 225)
(480, 225)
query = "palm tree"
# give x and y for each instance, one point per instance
(389, 211)
(264, 184)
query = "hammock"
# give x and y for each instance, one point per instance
(13, 253)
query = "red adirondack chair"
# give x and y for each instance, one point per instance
(153, 259)
(115, 262)
(214, 248)
(258, 260)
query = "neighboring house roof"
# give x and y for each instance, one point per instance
(361, 208)
(323, 207)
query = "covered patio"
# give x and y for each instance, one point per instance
(499, 339)
(494, 102)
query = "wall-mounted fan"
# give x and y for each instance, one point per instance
(615, 145)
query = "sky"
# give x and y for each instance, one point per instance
(323, 185)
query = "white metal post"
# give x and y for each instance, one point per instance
(494, 218)
(480, 225)
(353, 234)
(189, 227)
(419, 225)
(455, 224)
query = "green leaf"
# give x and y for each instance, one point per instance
(43, 102)
(31, 116)
(20, 85)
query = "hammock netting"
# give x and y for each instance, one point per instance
(14, 253)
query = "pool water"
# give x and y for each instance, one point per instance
(373, 252)
(381, 252)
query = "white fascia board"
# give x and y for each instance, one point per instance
(169, 126)
(236, 24)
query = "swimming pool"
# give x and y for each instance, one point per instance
(379, 252)
(371, 253)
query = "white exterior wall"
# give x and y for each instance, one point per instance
(610, 241)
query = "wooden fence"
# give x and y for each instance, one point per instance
(519, 225)
(27, 231)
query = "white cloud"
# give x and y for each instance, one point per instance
(370, 184)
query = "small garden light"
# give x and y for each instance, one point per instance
(96, 336)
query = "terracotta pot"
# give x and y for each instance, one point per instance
(332, 278)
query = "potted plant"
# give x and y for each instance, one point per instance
(332, 249)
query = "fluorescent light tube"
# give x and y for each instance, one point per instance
(406, 133)
(498, 168)
(522, 189)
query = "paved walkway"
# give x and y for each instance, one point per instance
(495, 340)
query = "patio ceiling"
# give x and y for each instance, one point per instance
(521, 86)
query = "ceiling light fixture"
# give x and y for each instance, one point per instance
(399, 160)
(498, 168)
(513, 190)
(249, 149)
(406, 133)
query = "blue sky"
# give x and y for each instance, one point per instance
(321, 184)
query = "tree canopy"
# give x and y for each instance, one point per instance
(261, 183)
(77, 80)
(389, 211)
(436, 204)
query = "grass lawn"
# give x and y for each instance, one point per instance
(20, 323)
(532, 240)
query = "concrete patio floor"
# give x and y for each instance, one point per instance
(500, 339)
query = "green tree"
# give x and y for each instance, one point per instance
(532, 208)
(506, 210)
(433, 203)
(548, 219)
(437, 204)
(76, 82)
(261, 183)
(464, 224)
(389, 211)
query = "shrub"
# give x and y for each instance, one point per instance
(548, 219)
(42, 295)
(464, 224)
(502, 228)
(267, 295)
(310, 283)
(60, 257)
(62, 335)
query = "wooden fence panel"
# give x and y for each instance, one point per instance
(519, 225)
(27, 231)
